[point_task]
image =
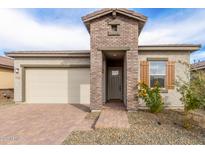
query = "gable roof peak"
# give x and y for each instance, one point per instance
(105, 11)
(102, 12)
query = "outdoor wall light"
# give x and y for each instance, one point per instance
(17, 70)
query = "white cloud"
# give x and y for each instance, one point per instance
(189, 29)
(19, 31)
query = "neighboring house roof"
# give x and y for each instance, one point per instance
(199, 65)
(6, 62)
(86, 53)
(99, 13)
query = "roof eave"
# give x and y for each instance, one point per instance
(198, 68)
(190, 48)
(46, 54)
(6, 66)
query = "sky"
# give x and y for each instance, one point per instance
(63, 29)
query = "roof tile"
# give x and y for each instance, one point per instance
(6, 62)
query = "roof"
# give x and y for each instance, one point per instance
(199, 65)
(86, 53)
(50, 53)
(6, 62)
(99, 13)
(171, 47)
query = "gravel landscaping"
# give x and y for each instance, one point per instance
(146, 128)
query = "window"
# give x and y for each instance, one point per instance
(157, 73)
(114, 28)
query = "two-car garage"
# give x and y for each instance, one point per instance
(57, 85)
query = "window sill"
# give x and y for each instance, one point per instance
(163, 91)
(113, 34)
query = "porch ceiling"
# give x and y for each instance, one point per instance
(114, 54)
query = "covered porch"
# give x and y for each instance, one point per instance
(114, 77)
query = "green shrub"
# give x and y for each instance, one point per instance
(192, 90)
(188, 97)
(151, 97)
(198, 86)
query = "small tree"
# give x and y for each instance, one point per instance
(198, 86)
(192, 90)
(151, 96)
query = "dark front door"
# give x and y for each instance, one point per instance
(114, 83)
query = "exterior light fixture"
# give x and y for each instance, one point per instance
(17, 70)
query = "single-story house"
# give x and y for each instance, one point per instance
(6, 78)
(199, 66)
(108, 72)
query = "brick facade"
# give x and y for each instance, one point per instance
(100, 38)
(132, 78)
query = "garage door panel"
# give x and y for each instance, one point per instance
(50, 85)
(46, 86)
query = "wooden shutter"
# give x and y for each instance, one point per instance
(144, 72)
(170, 75)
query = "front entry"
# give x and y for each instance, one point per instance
(114, 83)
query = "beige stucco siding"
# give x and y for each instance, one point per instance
(20, 63)
(80, 93)
(172, 98)
(79, 85)
(6, 78)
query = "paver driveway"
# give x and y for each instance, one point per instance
(39, 123)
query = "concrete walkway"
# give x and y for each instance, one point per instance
(113, 115)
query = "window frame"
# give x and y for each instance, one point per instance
(112, 32)
(163, 89)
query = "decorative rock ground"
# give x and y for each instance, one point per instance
(146, 128)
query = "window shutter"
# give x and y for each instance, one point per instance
(144, 72)
(170, 75)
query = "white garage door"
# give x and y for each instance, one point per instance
(49, 85)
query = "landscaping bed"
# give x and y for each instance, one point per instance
(4, 102)
(146, 128)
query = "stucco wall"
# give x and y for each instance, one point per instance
(172, 97)
(6, 78)
(18, 77)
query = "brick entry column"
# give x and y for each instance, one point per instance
(132, 78)
(96, 80)
(113, 30)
